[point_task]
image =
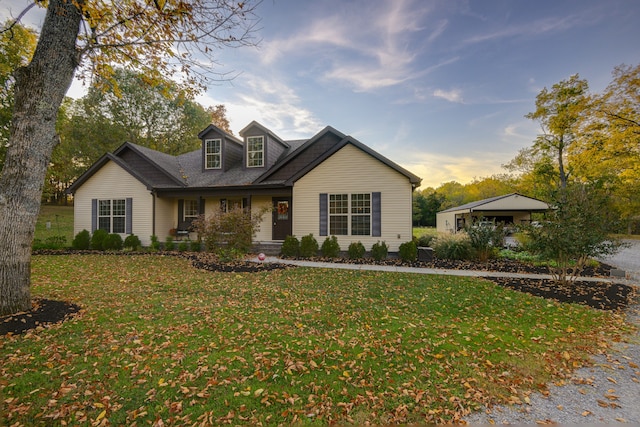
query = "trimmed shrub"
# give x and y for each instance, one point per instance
(183, 246)
(330, 247)
(132, 242)
(113, 242)
(169, 245)
(452, 246)
(308, 246)
(290, 247)
(82, 240)
(356, 250)
(408, 251)
(379, 251)
(195, 246)
(155, 243)
(97, 239)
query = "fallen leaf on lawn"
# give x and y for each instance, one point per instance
(101, 415)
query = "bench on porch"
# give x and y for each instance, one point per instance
(183, 229)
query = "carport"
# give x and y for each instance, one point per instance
(510, 209)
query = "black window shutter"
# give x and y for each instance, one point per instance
(324, 213)
(180, 211)
(200, 206)
(128, 228)
(94, 215)
(376, 214)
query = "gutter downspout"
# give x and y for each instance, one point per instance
(153, 213)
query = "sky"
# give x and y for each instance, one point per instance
(439, 87)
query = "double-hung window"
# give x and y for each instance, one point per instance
(350, 214)
(361, 214)
(213, 153)
(339, 214)
(255, 151)
(191, 208)
(112, 215)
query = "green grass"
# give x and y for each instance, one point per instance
(55, 221)
(422, 231)
(157, 339)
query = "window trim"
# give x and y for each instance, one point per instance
(195, 203)
(351, 213)
(357, 204)
(261, 151)
(111, 214)
(208, 154)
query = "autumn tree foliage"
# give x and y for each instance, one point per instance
(608, 152)
(558, 111)
(170, 38)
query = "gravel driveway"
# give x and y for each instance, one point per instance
(607, 392)
(627, 259)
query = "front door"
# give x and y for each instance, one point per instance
(281, 218)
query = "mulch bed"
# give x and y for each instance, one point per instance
(44, 313)
(599, 295)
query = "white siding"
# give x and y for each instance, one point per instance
(166, 217)
(350, 170)
(257, 203)
(446, 222)
(113, 182)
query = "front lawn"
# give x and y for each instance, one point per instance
(158, 341)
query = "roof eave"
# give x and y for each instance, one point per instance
(134, 148)
(98, 165)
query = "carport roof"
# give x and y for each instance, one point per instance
(478, 205)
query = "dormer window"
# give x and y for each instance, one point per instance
(213, 153)
(255, 151)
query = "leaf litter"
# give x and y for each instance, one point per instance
(168, 345)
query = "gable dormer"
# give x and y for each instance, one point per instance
(220, 150)
(262, 148)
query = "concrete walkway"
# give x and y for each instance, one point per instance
(420, 270)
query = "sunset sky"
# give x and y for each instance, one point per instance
(440, 87)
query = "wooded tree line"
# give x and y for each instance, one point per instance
(161, 116)
(158, 114)
(591, 140)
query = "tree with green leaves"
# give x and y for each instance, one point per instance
(87, 37)
(558, 111)
(425, 206)
(576, 229)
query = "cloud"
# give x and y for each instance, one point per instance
(365, 47)
(271, 103)
(536, 28)
(436, 169)
(454, 95)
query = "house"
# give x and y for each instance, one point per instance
(331, 184)
(508, 209)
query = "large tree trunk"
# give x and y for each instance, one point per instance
(39, 90)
